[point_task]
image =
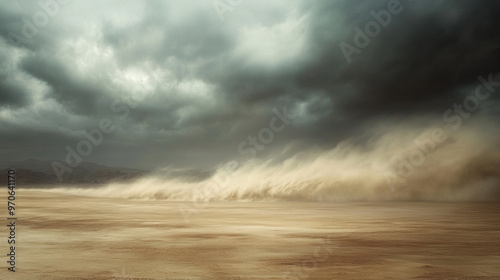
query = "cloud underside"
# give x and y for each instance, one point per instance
(185, 83)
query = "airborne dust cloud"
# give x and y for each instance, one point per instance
(397, 162)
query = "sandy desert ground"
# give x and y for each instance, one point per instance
(76, 237)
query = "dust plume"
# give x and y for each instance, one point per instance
(397, 162)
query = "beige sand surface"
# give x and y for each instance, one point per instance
(72, 237)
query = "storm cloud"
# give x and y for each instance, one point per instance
(207, 78)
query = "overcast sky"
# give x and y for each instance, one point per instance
(207, 76)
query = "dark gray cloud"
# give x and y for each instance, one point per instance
(11, 94)
(216, 81)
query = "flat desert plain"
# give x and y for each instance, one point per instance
(60, 236)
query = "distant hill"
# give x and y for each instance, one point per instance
(33, 172)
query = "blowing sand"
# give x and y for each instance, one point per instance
(77, 237)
